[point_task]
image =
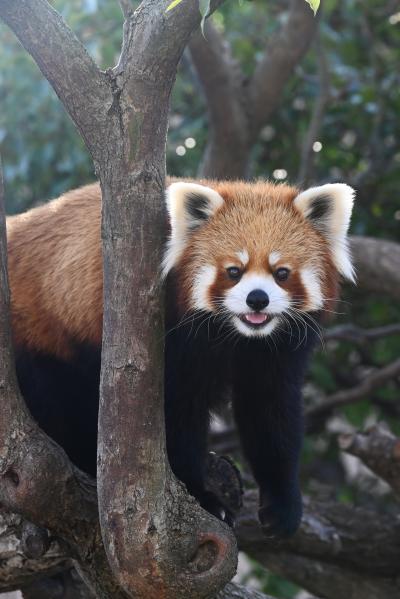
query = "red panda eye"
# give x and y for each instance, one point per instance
(234, 273)
(282, 274)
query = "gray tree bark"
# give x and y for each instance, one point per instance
(158, 541)
(377, 265)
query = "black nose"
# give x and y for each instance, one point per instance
(257, 299)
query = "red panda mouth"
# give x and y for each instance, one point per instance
(255, 319)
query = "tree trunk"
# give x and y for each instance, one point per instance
(158, 541)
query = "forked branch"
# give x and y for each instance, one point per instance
(159, 542)
(239, 107)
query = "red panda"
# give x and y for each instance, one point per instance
(248, 268)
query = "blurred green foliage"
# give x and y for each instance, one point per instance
(360, 132)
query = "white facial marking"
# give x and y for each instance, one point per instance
(243, 257)
(235, 301)
(311, 281)
(274, 258)
(203, 281)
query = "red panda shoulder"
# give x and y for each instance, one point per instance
(55, 273)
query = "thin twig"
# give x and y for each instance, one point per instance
(355, 334)
(318, 414)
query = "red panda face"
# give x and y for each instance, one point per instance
(258, 253)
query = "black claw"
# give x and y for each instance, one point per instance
(229, 519)
(210, 502)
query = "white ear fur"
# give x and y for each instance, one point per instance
(189, 205)
(328, 207)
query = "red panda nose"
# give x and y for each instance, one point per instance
(257, 299)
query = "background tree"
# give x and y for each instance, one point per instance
(275, 111)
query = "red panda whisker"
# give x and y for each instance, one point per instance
(332, 312)
(191, 319)
(206, 320)
(200, 324)
(301, 299)
(230, 334)
(288, 322)
(302, 316)
(296, 320)
(319, 310)
(305, 315)
(185, 319)
(305, 331)
(272, 338)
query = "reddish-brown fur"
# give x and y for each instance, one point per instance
(55, 262)
(55, 271)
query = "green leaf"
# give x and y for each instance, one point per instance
(204, 7)
(173, 4)
(314, 5)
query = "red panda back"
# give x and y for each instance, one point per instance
(55, 272)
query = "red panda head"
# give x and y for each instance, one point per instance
(256, 253)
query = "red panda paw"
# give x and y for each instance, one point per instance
(281, 518)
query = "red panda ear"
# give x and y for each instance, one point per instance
(189, 206)
(329, 209)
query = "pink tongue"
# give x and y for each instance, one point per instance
(255, 318)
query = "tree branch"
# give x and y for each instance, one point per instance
(222, 81)
(179, 558)
(328, 580)
(337, 548)
(16, 568)
(316, 416)
(355, 334)
(377, 265)
(8, 382)
(283, 52)
(30, 558)
(379, 449)
(343, 534)
(339, 551)
(31, 463)
(238, 109)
